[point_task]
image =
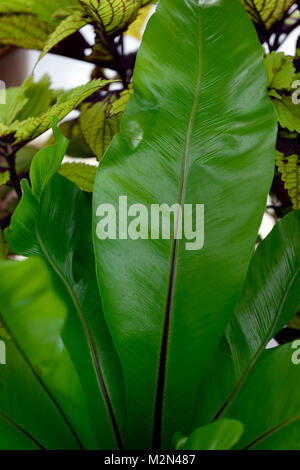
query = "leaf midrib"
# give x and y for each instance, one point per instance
(157, 426)
(47, 391)
(89, 338)
(273, 430)
(21, 430)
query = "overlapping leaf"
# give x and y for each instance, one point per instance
(24, 31)
(280, 71)
(266, 417)
(68, 26)
(289, 168)
(190, 137)
(27, 113)
(80, 174)
(267, 13)
(221, 435)
(270, 299)
(38, 359)
(98, 126)
(53, 220)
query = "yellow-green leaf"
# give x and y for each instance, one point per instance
(289, 168)
(119, 105)
(136, 28)
(80, 174)
(16, 99)
(24, 31)
(4, 177)
(112, 16)
(98, 127)
(42, 9)
(35, 126)
(3, 252)
(100, 55)
(267, 12)
(68, 26)
(288, 113)
(39, 96)
(280, 70)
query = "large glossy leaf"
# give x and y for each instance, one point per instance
(53, 220)
(194, 132)
(33, 398)
(270, 298)
(269, 402)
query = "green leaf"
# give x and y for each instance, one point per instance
(47, 162)
(136, 28)
(270, 298)
(54, 221)
(30, 99)
(221, 435)
(263, 311)
(42, 10)
(268, 12)
(112, 18)
(4, 177)
(119, 105)
(269, 403)
(78, 147)
(24, 31)
(16, 99)
(24, 158)
(35, 317)
(289, 169)
(97, 127)
(288, 113)
(68, 26)
(179, 145)
(295, 322)
(280, 71)
(22, 391)
(35, 126)
(80, 174)
(3, 246)
(39, 97)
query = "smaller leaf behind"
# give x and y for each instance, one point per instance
(269, 300)
(289, 168)
(34, 126)
(267, 13)
(68, 26)
(221, 435)
(24, 31)
(98, 127)
(81, 174)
